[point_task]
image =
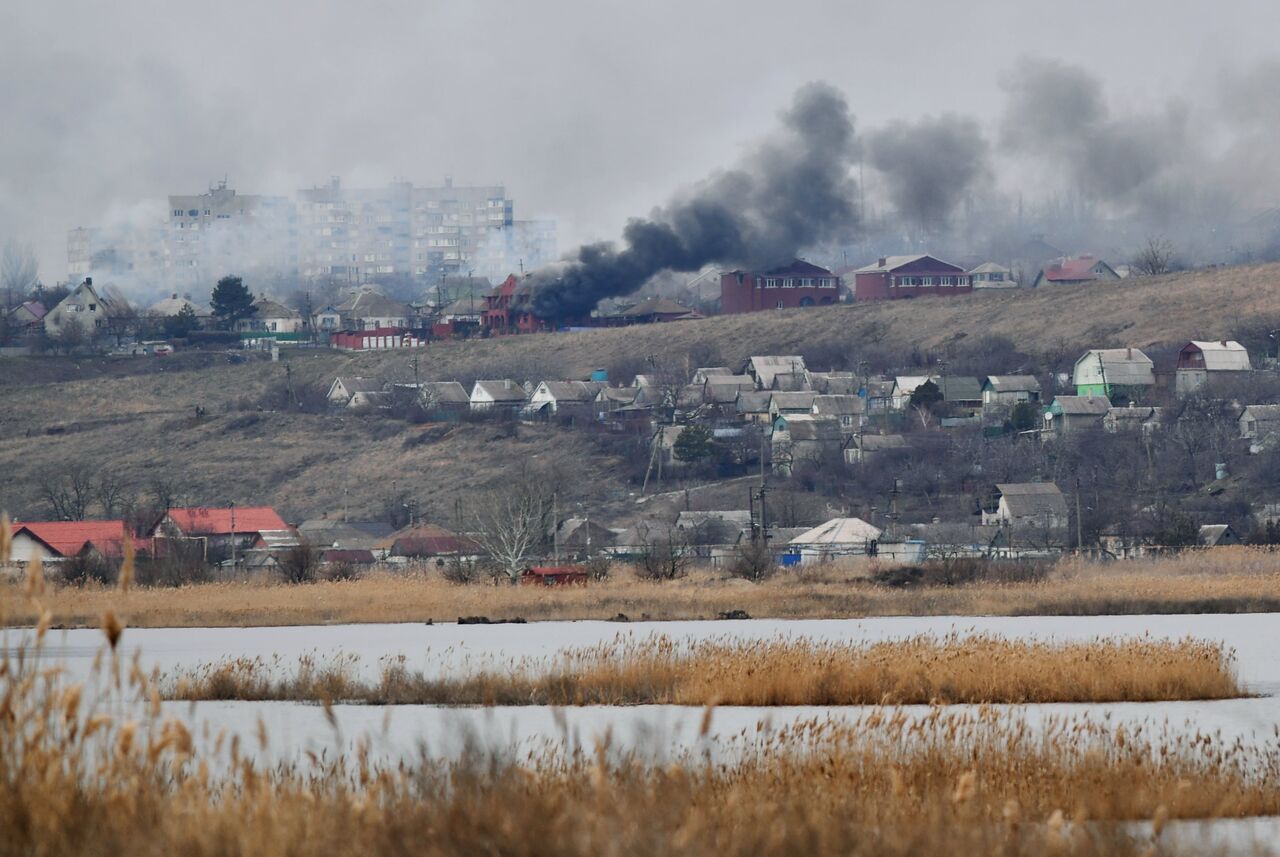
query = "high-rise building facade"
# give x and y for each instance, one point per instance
(221, 232)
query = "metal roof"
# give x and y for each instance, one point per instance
(838, 531)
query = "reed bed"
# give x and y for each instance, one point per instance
(97, 770)
(1229, 580)
(661, 671)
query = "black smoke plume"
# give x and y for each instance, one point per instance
(929, 165)
(795, 191)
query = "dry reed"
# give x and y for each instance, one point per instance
(1227, 580)
(660, 671)
(84, 774)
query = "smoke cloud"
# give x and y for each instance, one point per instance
(929, 165)
(794, 191)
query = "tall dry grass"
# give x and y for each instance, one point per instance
(1226, 580)
(661, 671)
(85, 773)
(95, 769)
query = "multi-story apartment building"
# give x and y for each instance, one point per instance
(525, 245)
(133, 253)
(222, 232)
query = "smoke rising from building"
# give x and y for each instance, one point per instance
(795, 190)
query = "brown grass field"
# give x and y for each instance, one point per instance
(81, 773)
(138, 415)
(660, 671)
(1221, 580)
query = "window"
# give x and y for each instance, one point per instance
(770, 283)
(946, 281)
(996, 276)
(193, 213)
(781, 304)
(93, 307)
(926, 281)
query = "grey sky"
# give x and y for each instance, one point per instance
(590, 110)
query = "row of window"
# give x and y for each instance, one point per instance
(799, 283)
(925, 282)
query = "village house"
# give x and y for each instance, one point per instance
(763, 369)
(175, 304)
(335, 533)
(992, 276)
(1074, 272)
(24, 318)
(753, 407)
(1116, 373)
(1132, 418)
(270, 320)
(343, 390)
(712, 528)
(54, 541)
(327, 319)
(703, 374)
(427, 541)
(504, 393)
(838, 537)
(903, 387)
(92, 311)
(369, 309)
(509, 309)
(582, 537)
(835, 383)
(848, 410)
(899, 277)
(798, 284)
(1033, 504)
(1010, 389)
(1259, 421)
(1218, 536)
(1076, 413)
(879, 394)
(440, 395)
(799, 439)
(1198, 362)
(791, 404)
(554, 397)
(218, 529)
(724, 389)
(962, 392)
(652, 310)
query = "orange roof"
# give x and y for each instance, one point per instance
(201, 521)
(68, 538)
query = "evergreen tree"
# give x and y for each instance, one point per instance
(179, 325)
(693, 444)
(231, 301)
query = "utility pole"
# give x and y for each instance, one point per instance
(555, 527)
(1079, 529)
(233, 535)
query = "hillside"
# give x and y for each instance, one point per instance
(138, 417)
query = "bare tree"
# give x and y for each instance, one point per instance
(300, 563)
(19, 271)
(112, 493)
(68, 493)
(513, 525)
(665, 556)
(72, 336)
(1154, 259)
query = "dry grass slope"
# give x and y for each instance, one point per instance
(141, 422)
(660, 671)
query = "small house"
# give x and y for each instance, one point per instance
(992, 276)
(835, 383)
(863, 445)
(791, 404)
(52, 541)
(1114, 373)
(804, 438)
(505, 393)
(1259, 421)
(86, 307)
(270, 319)
(1078, 271)
(724, 389)
(703, 374)
(838, 537)
(763, 369)
(1200, 361)
(1218, 536)
(1039, 504)
(1076, 413)
(342, 390)
(554, 397)
(849, 410)
(754, 407)
(1133, 418)
(220, 528)
(1010, 389)
(903, 387)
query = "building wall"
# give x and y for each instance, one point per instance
(752, 292)
(24, 549)
(890, 285)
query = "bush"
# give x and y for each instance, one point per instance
(300, 564)
(598, 567)
(462, 570)
(93, 568)
(341, 571)
(752, 561)
(958, 571)
(664, 559)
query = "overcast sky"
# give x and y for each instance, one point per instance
(588, 110)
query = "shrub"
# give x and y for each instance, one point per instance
(93, 568)
(752, 561)
(958, 571)
(300, 564)
(598, 567)
(341, 571)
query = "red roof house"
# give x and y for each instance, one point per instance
(203, 521)
(64, 539)
(428, 540)
(1074, 272)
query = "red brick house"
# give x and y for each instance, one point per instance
(509, 309)
(798, 284)
(1074, 272)
(900, 277)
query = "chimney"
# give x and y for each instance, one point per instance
(88, 281)
(883, 261)
(1128, 353)
(174, 296)
(506, 383)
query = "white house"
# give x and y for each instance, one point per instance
(343, 390)
(371, 310)
(270, 317)
(1108, 371)
(764, 369)
(992, 276)
(837, 537)
(553, 396)
(505, 393)
(1038, 504)
(84, 305)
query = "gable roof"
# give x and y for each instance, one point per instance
(834, 383)
(426, 540)
(1012, 383)
(204, 521)
(765, 366)
(1262, 413)
(355, 385)
(266, 308)
(369, 303)
(753, 402)
(990, 268)
(445, 392)
(838, 531)
(838, 406)
(656, 306)
(809, 427)
(503, 390)
(1122, 366)
(1030, 499)
(572, 391)
(1078, 270)
(792, 401)
(344, 534)
(959, 388)
(724, 389)
(739, 518)
(892, 263)
(798, 266)
(69, 538)
(1082, 406)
